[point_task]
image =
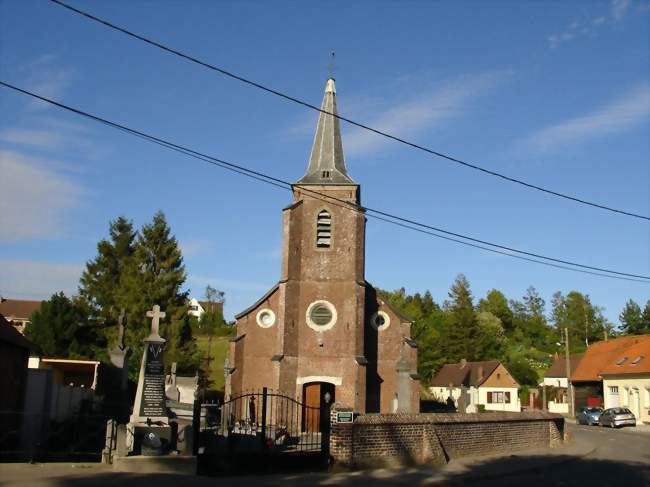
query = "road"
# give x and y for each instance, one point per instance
(595, 457)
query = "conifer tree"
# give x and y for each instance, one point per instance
(463, 332)
(155, 275)
(645, 317)
(632, 319)
(100, 281)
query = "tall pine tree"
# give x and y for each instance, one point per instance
(99, 283)
(632, 318)
(463, 331)
(156, 275)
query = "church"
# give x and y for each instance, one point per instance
(323, 333)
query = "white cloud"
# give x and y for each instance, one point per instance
(590, 26)
(193, 247)
(427, 109)
(624, 113)
(34, 200)
(36, 138)
(29, 279)
(619, 9)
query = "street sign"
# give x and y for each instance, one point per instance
(345, 417)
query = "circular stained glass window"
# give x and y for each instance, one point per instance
(321, 315)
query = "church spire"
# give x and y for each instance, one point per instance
(326, 163)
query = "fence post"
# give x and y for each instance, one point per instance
(264, 398)
(196, 427)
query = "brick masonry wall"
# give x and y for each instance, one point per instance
(388, 439)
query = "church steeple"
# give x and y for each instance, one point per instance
(326, 163)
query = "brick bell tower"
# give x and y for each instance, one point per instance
(323, 261)
(323, 333)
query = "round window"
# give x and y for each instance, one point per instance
(321, 315)
(265, 318)
(380, 320)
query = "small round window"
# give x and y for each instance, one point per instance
(265, 318)
(321, 315)
(380, 321)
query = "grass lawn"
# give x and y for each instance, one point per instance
(218, 351)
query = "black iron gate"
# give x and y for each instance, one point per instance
(262, 422)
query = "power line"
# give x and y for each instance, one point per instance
(378, 214)
(350, 121)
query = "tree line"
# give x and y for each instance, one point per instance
(521, 333)
(133, 270)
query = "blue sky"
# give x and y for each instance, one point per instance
(557, 93)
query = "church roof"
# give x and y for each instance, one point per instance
(327, 163)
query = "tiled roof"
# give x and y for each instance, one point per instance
(634, 359)
(467, 374)
(18, 308)
(558, 369)
(601, 355)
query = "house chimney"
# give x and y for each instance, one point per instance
(605, 332)
(480, 372)
(463, 363)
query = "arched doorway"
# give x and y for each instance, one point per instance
(317, 396)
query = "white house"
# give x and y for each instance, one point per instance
(197, 308)
(555, 378)
(470, 384)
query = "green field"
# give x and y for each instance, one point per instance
(218, 351)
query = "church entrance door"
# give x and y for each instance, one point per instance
(317, 396)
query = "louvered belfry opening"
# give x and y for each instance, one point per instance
(324, 230)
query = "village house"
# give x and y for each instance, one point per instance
(322, 332)
(587, 380)
(18, 311)
(556, 383)
(474, 384)
(626, 379)
(197, 308)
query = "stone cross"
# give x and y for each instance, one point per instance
(122, 322)
(155, 314)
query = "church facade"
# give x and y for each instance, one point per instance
(323, 333)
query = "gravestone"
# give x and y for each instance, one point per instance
(149, 409)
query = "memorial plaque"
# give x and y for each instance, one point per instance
(153, 393)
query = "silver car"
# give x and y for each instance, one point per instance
(615, 417)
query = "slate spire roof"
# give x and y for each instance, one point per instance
(327, 163)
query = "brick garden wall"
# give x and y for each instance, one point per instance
(385, 439)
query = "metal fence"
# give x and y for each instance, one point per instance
(265, 421)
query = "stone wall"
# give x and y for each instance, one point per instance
(388, 439)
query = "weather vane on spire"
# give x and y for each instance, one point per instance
(332, 66)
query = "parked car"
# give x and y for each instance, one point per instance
(588, 416)
(615, 417)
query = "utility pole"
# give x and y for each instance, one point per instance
(569, 393)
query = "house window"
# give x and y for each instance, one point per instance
(194, 308)
(613, 390)
(324, 230)
(498, 397)
(622, 361)
(637, 360)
